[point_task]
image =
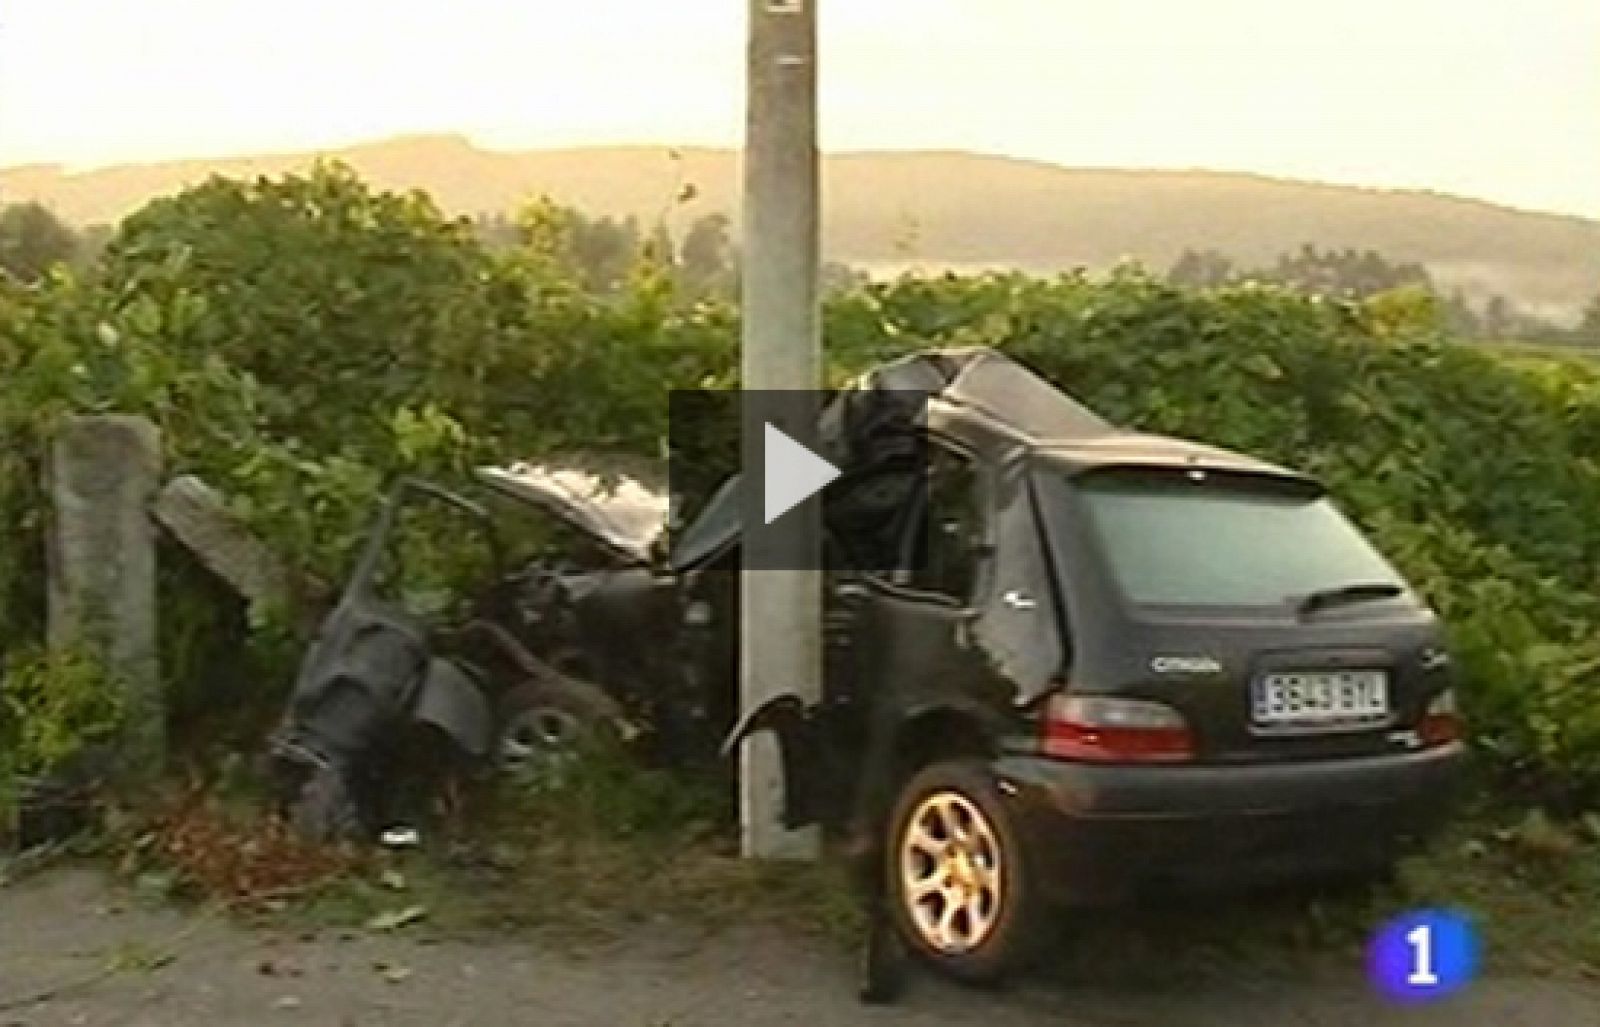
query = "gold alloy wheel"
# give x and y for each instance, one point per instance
(950, 873)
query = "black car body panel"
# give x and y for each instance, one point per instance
(372, 661)
(453, 701)
(375, 670)
(1203, 659)
(1102, 834)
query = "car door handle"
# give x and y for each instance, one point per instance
(1017, 601)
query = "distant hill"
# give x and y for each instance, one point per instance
(946, 209)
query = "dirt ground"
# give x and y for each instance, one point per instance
(76, 951)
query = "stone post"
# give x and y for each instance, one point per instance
(102, 473)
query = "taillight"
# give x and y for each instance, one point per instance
(1107, 730)
(1441, 722)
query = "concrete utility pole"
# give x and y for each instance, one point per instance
(781, 610)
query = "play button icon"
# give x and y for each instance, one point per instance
(793, 473)
(743, 463)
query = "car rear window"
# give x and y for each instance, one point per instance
(1210, 543)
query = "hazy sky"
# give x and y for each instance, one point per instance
(1491, 98)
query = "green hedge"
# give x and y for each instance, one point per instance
(300, 340)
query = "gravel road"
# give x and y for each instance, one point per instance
(74, 951)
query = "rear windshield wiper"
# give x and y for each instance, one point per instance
(1359, 592)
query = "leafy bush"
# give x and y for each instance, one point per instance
(53, 707)
(302, 340)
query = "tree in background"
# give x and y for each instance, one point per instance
(496, 231)
(708, 263)
(606, 249)
(1499, 318)
(92, 242)
(839, 277)
(603, 251)
(1588, 331)
(599, 253)
(1458, 316)
(1202, 269)
(659, 249)
(707, 260)
(1351, 273)
(33, 239)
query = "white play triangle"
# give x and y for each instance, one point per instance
(793, 473)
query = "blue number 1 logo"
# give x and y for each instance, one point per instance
(1423, 955)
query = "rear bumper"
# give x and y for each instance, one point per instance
(1104, 833)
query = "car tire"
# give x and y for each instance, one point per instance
(546, 721)
(953, 845)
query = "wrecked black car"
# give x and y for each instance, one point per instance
(1120, 661)
(401, 685)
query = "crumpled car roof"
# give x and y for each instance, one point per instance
(867, 422)
(989, 382)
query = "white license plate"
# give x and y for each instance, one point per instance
(1320, 698)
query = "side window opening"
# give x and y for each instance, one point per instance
(944, 558)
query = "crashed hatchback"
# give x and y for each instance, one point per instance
(1120, 662)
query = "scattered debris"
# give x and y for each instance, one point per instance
(139, 957)
(244, 862)
(275, 968)
(1539, 835)
(395, 919)
(394, 973)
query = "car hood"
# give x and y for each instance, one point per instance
(621, 512)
